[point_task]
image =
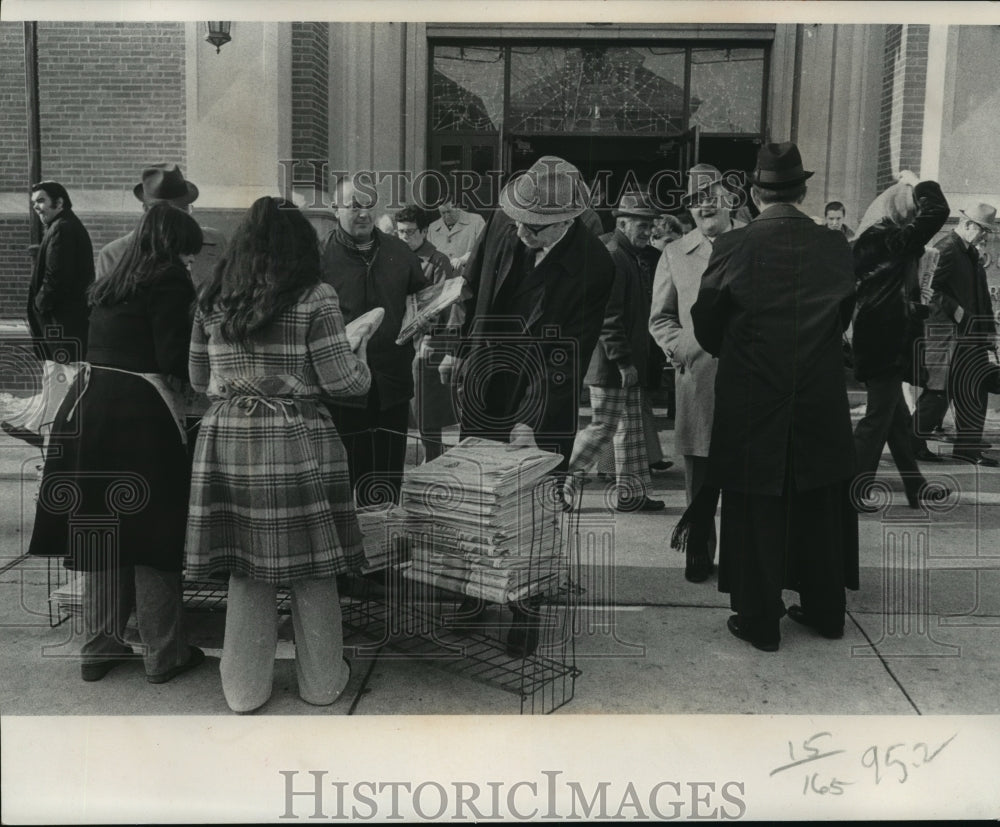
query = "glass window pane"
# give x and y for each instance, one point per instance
(467, 88)
(596, 89)
(726, 89)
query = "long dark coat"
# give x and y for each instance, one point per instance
(624, 340)
(57, 294)
(959, 280)
(117, 472)
(576, 278)
(773, 305)
(888, 316)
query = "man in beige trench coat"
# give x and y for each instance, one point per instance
(675, 289)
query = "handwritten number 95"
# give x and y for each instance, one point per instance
(895, 757)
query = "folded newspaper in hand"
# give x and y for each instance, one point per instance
(423, 306)
(365, 323)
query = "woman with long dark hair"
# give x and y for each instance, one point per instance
(888, 320)
(271, 500)
(115, 487)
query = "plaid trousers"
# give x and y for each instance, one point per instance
(618, 418)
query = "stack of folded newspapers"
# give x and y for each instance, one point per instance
(480, 520)
(383, 529)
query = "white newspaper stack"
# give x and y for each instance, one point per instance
(481, 521)
(383, 528)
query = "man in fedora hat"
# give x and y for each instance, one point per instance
(773, 303)
(675, 288)
(618, 367)
(165, 184)
(960, 304)
(539, 282)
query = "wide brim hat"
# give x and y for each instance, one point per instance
(984, 215)
(779, 167)
(700, 178)
(552, 190)
(635, 205)
(163, 183)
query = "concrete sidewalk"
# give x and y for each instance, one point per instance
(923, 633)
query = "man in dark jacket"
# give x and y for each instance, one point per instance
(58, 314)
(618, 366)
(539, 282)
(960, 302)
(370, 269)
(773, 305)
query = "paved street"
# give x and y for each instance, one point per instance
(921, 638)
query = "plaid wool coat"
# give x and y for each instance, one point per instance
(270, 495)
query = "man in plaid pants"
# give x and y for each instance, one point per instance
(619, 360)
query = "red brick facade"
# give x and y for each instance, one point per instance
(310, 96)
(901, 122)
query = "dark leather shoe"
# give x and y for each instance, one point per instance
(831, 631)
(925, 455)
(932, 494)
(196, 657)
(739, 629)
(95, 670)
(660, 467)
(639, 504)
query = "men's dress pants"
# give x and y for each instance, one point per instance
(375, 441)
(109, 595)
(927, 415)
(617, 418)
(887, 419)
(695, 476)
(251, 639)
(969, 366)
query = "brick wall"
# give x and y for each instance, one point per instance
(310, 89)
(14, 134)
(901, 120)
(112, 99)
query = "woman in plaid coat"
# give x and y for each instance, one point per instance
(270, 498)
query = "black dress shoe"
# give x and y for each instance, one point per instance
(829, 630)
(196, 657)
(739, 629)
(627, 504)
(660, 466)
(95, 670)
(926, 494)
(925, 455)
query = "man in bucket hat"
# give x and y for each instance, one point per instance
(772, 307)
(675, 288)
(960, 304)
(539, 283)
(165, 184)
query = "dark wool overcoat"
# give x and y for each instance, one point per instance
(57, 294)
(773, 305)
(565, 314)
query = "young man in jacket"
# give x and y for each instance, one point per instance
(58, 313)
